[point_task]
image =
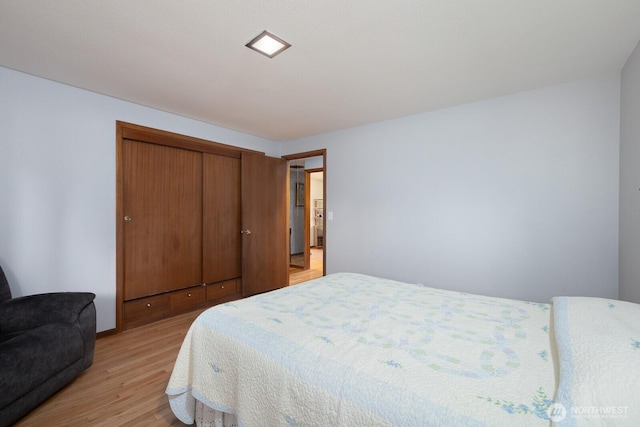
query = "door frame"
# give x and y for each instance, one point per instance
(307, 214)
(315, 153)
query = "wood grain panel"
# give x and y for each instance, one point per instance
(163, 199)
(227, 288)
(188, 298)
(161, 137)
(264, 213)
(145, 310)
(222, 244)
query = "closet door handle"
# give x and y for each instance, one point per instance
(245, 232)
(127, 218)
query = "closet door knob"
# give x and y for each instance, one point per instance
(245, 232)
(127, 218)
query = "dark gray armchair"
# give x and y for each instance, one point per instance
(46, 341)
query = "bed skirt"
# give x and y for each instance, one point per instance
(208, 417)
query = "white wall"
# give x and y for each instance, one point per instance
(57, 192)
(630, 180)
(515, 196)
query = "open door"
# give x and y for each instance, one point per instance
(314, 164)
(264, 224)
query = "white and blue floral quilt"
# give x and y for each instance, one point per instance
(598, 343)
(355, 350)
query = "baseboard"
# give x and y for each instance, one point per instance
(106, 333)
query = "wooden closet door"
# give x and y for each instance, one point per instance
(163, 218)
(265, 259)
(222, 245)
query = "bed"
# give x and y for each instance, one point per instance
(355, 350)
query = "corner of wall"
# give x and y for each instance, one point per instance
(629, 204)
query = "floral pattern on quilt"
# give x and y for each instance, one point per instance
(539, 405)
(424, 316)
(350, 349)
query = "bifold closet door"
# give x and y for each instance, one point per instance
(162, 218)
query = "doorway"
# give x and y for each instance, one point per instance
(307, 200)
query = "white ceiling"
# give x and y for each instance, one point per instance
(351, 63)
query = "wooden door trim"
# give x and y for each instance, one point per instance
(307, 220)
(315, 153)
(161, 137)
(119, 229)
(307, 215)
(135, 132)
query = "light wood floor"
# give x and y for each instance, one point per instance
(126, 384)
(297, 275)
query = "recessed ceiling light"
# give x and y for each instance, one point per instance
(268, 44)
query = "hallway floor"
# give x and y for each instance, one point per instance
(298, 275)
